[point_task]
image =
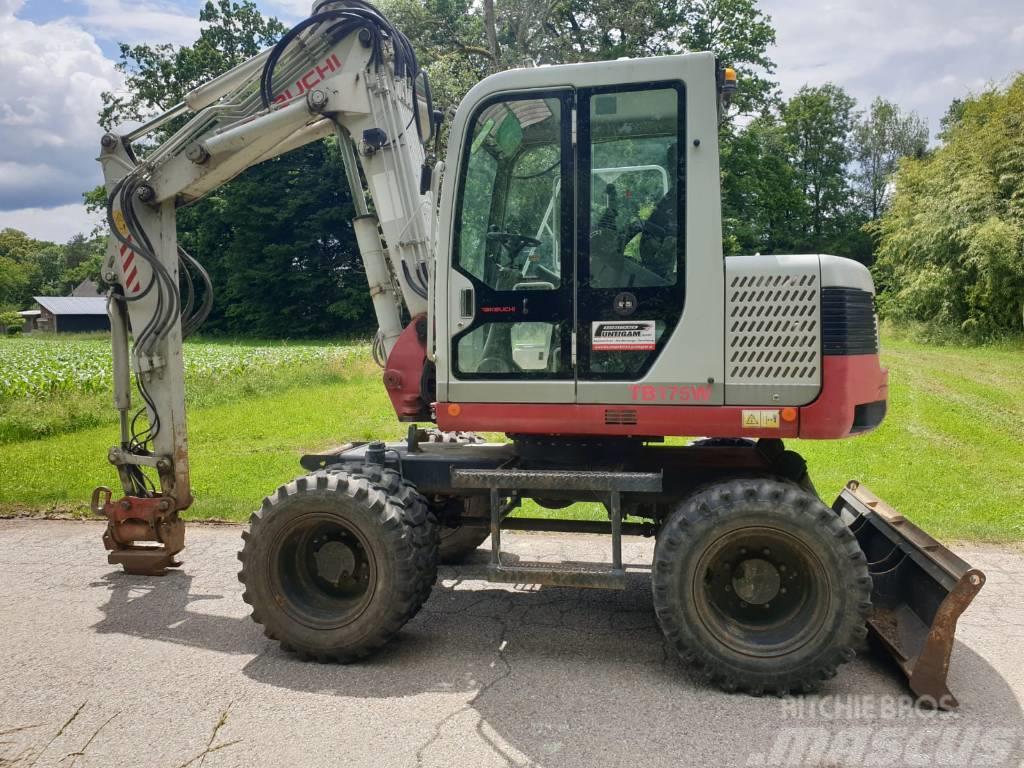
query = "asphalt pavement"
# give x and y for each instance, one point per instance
(98, 668)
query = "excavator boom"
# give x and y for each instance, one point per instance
(344, 71)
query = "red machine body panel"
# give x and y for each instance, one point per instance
(847, 382)
(403, 372)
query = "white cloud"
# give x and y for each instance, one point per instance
(1017, 35)
(49, 99)
(288, 11)
(58, 224)
(140, 22)
(919, 53)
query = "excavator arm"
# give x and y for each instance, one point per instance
(344, 71)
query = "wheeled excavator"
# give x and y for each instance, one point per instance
(558, 278)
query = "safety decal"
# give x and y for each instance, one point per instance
(622, 336)
(120, 223)
(760, 419)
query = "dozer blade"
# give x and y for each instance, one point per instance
(920, 589)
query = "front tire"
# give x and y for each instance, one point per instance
(761, 586)
(333, 565)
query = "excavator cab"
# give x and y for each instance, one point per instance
(580, 171)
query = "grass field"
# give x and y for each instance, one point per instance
(950, 455)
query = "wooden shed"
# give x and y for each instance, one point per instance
(72, 314)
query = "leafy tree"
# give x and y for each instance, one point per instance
(15, 279)
(18, 268)
(459, 41)
(159, 76)
(83, 260)
(817, 123)
(49, 267)
(11, 322)
(764, 209)
(954, 113)
(951, 244)
(30, 267)
(280, 249)
(881, 137)
(740, 35)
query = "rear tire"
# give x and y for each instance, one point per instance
(335, 564)
(761, 586)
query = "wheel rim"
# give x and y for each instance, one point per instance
(761, 591)
(326, 572)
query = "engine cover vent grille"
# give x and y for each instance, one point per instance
(620, 416)
(848, 322)
(773, 326)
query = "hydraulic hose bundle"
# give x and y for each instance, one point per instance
(168, 300)
(361, 18)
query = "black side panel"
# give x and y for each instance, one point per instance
(848, 322)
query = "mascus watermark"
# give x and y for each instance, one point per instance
(892, 747)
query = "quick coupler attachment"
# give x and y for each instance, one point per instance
(920, 589)
(133, 519)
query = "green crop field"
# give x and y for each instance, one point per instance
(950, 455)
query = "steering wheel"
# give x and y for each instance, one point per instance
(512, 241)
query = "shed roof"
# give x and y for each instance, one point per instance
(73, 305)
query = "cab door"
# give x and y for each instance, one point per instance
(631, 241)
(511, 289)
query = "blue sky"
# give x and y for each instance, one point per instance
(57, 56)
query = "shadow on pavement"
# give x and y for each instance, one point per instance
(157, 608)
(552, 675)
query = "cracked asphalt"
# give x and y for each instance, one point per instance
(102, 669)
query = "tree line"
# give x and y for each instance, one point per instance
(30, 267)
(815, 172)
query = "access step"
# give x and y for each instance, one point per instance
(510, 481)
(586, 576)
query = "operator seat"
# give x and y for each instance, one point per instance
(609, 265)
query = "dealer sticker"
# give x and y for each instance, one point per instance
(760, 419)
(622, 336)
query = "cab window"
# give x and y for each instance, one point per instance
(634, 177)
(512, 241)
(632, 239)
(511, 197)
